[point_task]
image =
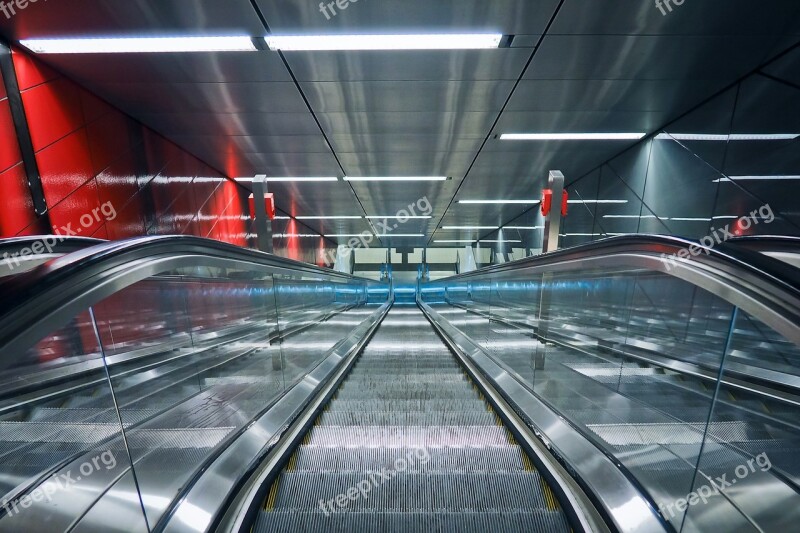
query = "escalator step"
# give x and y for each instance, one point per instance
(408, 436)
(461, 404)
(388, 522)
(407, 418)
(313, 459)
(415, 491)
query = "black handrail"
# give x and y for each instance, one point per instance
(769, 243)
(54, 244)
(724, 256)
(32, 296)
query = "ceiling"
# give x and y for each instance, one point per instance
(573, 66)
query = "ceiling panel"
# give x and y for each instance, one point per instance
(131, 17)
(343, 143)
(264, 144)
(406, 16)
(227, 124)
(433, 96)
(733, 17)
(452, 124)
(387, 199)
(607, 95)
(406, 163)
(290, 164)
(441, 65)
(606, 65)
(649, 57)
(173, 67)
(580, 121)
(150, 97)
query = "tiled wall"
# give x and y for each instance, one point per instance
(92, 155)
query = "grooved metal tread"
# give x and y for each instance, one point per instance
(394, 522)
(416, 491)
(408, 444)
(498, 459)
(407, 418)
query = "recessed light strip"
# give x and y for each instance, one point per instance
(725, 137)
(333, 217)
(393, 217)
(597, 201)
(456, 41)
(119, 45)
(529, 202)
(572, 136)
(395, 178)
(630, 216)
(756, 178)
(470, 227)
(290, 179)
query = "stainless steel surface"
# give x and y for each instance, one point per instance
(599, 67)
(213, 490)
(586, 513)
(552, 222)
(679, 376)
(398, 399)
(621, 500)
(192, 352)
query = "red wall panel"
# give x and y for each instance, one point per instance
(64, 167)
(55, 109)
(90, 154)
(17, 211)
(9, 147)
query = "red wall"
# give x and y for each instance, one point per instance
(90, 154)
(17, 215)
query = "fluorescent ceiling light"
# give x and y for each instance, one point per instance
(402, 235)
(580, 234)
(499, 201)
(328, 178)
(725, 137)
(396, 178)
(470, 227)
(572, 136)
(118, 45)
(250, 179)
(691, 219)
(500, 240)
(295, 235)
(522, 227)
(395, 217)
(280, 217)
(726, 217)
(630, 216)
(597, 201)
(756, 178)
(346, 217)
(461, 41)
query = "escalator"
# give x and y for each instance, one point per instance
(408, 443)
(181, 385)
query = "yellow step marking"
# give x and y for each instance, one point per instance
(549, 497)
(273, 493)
